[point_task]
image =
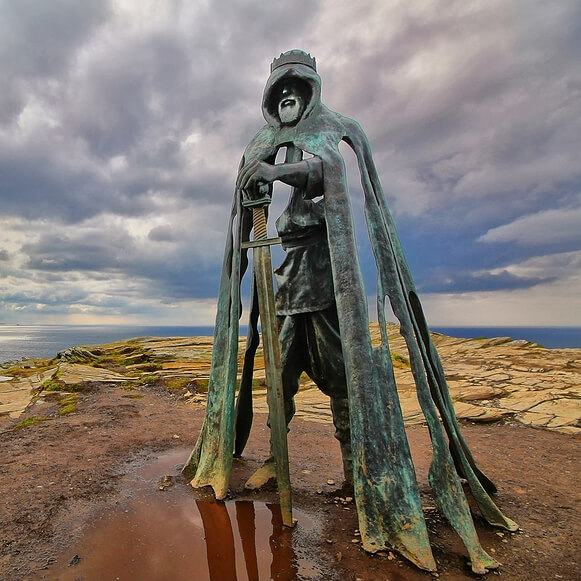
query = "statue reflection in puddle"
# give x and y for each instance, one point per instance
(221, 543)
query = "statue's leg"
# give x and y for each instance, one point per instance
(292, 351)
(340, 409)
(327, 369)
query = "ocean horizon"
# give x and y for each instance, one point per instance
(19, 342)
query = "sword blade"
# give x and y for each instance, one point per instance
(273, 368)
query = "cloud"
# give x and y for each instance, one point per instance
(122, 125)
(502, 279)
(556, 226)
(163, 233)
(38, 43)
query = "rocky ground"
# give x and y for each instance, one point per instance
(72, 429)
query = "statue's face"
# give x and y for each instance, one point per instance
(291, 105)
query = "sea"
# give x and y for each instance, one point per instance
(43, 341)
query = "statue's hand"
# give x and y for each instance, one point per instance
(254, 174)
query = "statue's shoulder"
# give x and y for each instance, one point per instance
(346, 126)
(353, 132)
(352, 127)
(261, 143)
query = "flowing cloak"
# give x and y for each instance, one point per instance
(385, 487)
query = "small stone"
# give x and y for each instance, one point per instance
(330, 482)
(390, 556)
(339, 556)
(319, 491)
(176, 437)
(354, 541)
(75, 560)
(166, 482)
(330, 541)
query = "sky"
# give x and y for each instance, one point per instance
(122, 124)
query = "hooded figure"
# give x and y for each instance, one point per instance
(322, 308)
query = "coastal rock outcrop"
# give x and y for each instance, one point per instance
(490, 379)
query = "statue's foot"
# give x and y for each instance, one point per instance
(482, 562)
(262, 476)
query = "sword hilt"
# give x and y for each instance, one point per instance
(259, 223)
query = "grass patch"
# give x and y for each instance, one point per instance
(58, 385)
(202, 384)
(31, 421)
(68, 404)
(123, 355)
(400, 361)
(53, 385)
(17, 370)
(177, 383)
(128, 385)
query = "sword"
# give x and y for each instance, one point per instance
(262, 264)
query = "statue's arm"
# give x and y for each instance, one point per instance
(306, 174)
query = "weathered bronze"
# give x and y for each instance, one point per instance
(324, 329)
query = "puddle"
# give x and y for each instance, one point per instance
(172, 535)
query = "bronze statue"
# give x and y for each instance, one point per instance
(324, 329)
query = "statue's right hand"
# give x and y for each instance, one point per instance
(254, 173)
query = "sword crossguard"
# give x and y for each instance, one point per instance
(259, 225)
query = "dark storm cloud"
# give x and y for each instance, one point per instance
(63, 253)
(135, 95)
(455, 281)
(163, 233)
(38, 42)
(476, 102)
(108, 254)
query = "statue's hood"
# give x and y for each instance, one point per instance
(298, 72)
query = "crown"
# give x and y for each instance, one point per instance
(294, 57)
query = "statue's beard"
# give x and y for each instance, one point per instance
(290, 111)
